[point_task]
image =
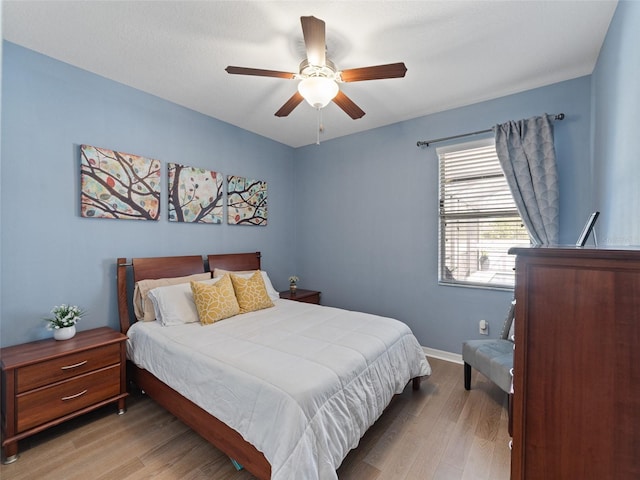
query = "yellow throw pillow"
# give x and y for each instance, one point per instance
(251, 292)
(215, 302)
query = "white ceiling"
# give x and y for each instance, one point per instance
(456, 52)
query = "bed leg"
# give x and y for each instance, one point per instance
(416, 383)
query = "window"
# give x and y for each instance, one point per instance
(479, 220)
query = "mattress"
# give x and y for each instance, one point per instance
(301, 382)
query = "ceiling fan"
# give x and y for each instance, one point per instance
(319, 77)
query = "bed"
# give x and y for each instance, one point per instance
(285, 391)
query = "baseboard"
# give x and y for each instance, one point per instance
(442, 355)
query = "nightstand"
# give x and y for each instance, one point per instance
(47, 382)
(306, 296)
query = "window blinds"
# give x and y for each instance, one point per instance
(479, 220)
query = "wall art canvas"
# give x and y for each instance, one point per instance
(246, 201)
(119, 185)
(195, 194)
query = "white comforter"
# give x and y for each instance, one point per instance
(300, 382)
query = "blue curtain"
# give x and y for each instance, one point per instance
(527, 156)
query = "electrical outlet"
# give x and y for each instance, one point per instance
(484, 327)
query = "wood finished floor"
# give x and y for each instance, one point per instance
(441, 432)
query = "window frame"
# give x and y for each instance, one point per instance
(442, 221)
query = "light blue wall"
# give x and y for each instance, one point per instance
(364, 206)
(50, 255)
(367, 232)
(616, 125)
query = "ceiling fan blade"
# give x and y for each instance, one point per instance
(313, 30)
(346, 104)
(378, 72)
(258, 72)
(289, 105)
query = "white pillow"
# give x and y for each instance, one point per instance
(142, 303)
(174, 304)
(272, 292)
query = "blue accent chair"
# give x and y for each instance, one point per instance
(491, 357)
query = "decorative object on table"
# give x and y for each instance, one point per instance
(195, 194)
(118, 185)
(63, 322)
(246, 201)
(293, 283)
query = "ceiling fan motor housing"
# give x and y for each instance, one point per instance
(328, 70)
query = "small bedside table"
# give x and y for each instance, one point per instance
(47, 382)
(305, 296)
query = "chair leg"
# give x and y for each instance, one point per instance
(467, 376)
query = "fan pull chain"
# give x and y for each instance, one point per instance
(320, 126)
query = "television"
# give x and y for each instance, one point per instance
(586, 231)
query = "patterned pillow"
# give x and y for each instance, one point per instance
(251, 292)
(273, 293)
(508, 326)
(215, 302)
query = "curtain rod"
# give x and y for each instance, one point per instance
(558, 116)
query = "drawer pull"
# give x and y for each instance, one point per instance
(71, 397)
(75, 365)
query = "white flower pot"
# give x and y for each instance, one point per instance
(64, 333)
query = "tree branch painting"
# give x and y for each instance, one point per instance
(195, 194)
(246, 201)
(118, 185)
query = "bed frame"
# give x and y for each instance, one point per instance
(213, 430)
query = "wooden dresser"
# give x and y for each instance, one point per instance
(48, 382)
(576, 403)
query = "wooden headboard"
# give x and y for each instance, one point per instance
(167, 267)
(235, 261)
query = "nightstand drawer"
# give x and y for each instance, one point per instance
(44, 404)
(54, 370)
(302, 295)
(315, 298)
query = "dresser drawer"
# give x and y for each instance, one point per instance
(43, 404)
(54, 370)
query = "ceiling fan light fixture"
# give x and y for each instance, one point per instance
(318, 91)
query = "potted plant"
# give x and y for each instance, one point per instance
(293, 283)
(63, 322)
(484, 261)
